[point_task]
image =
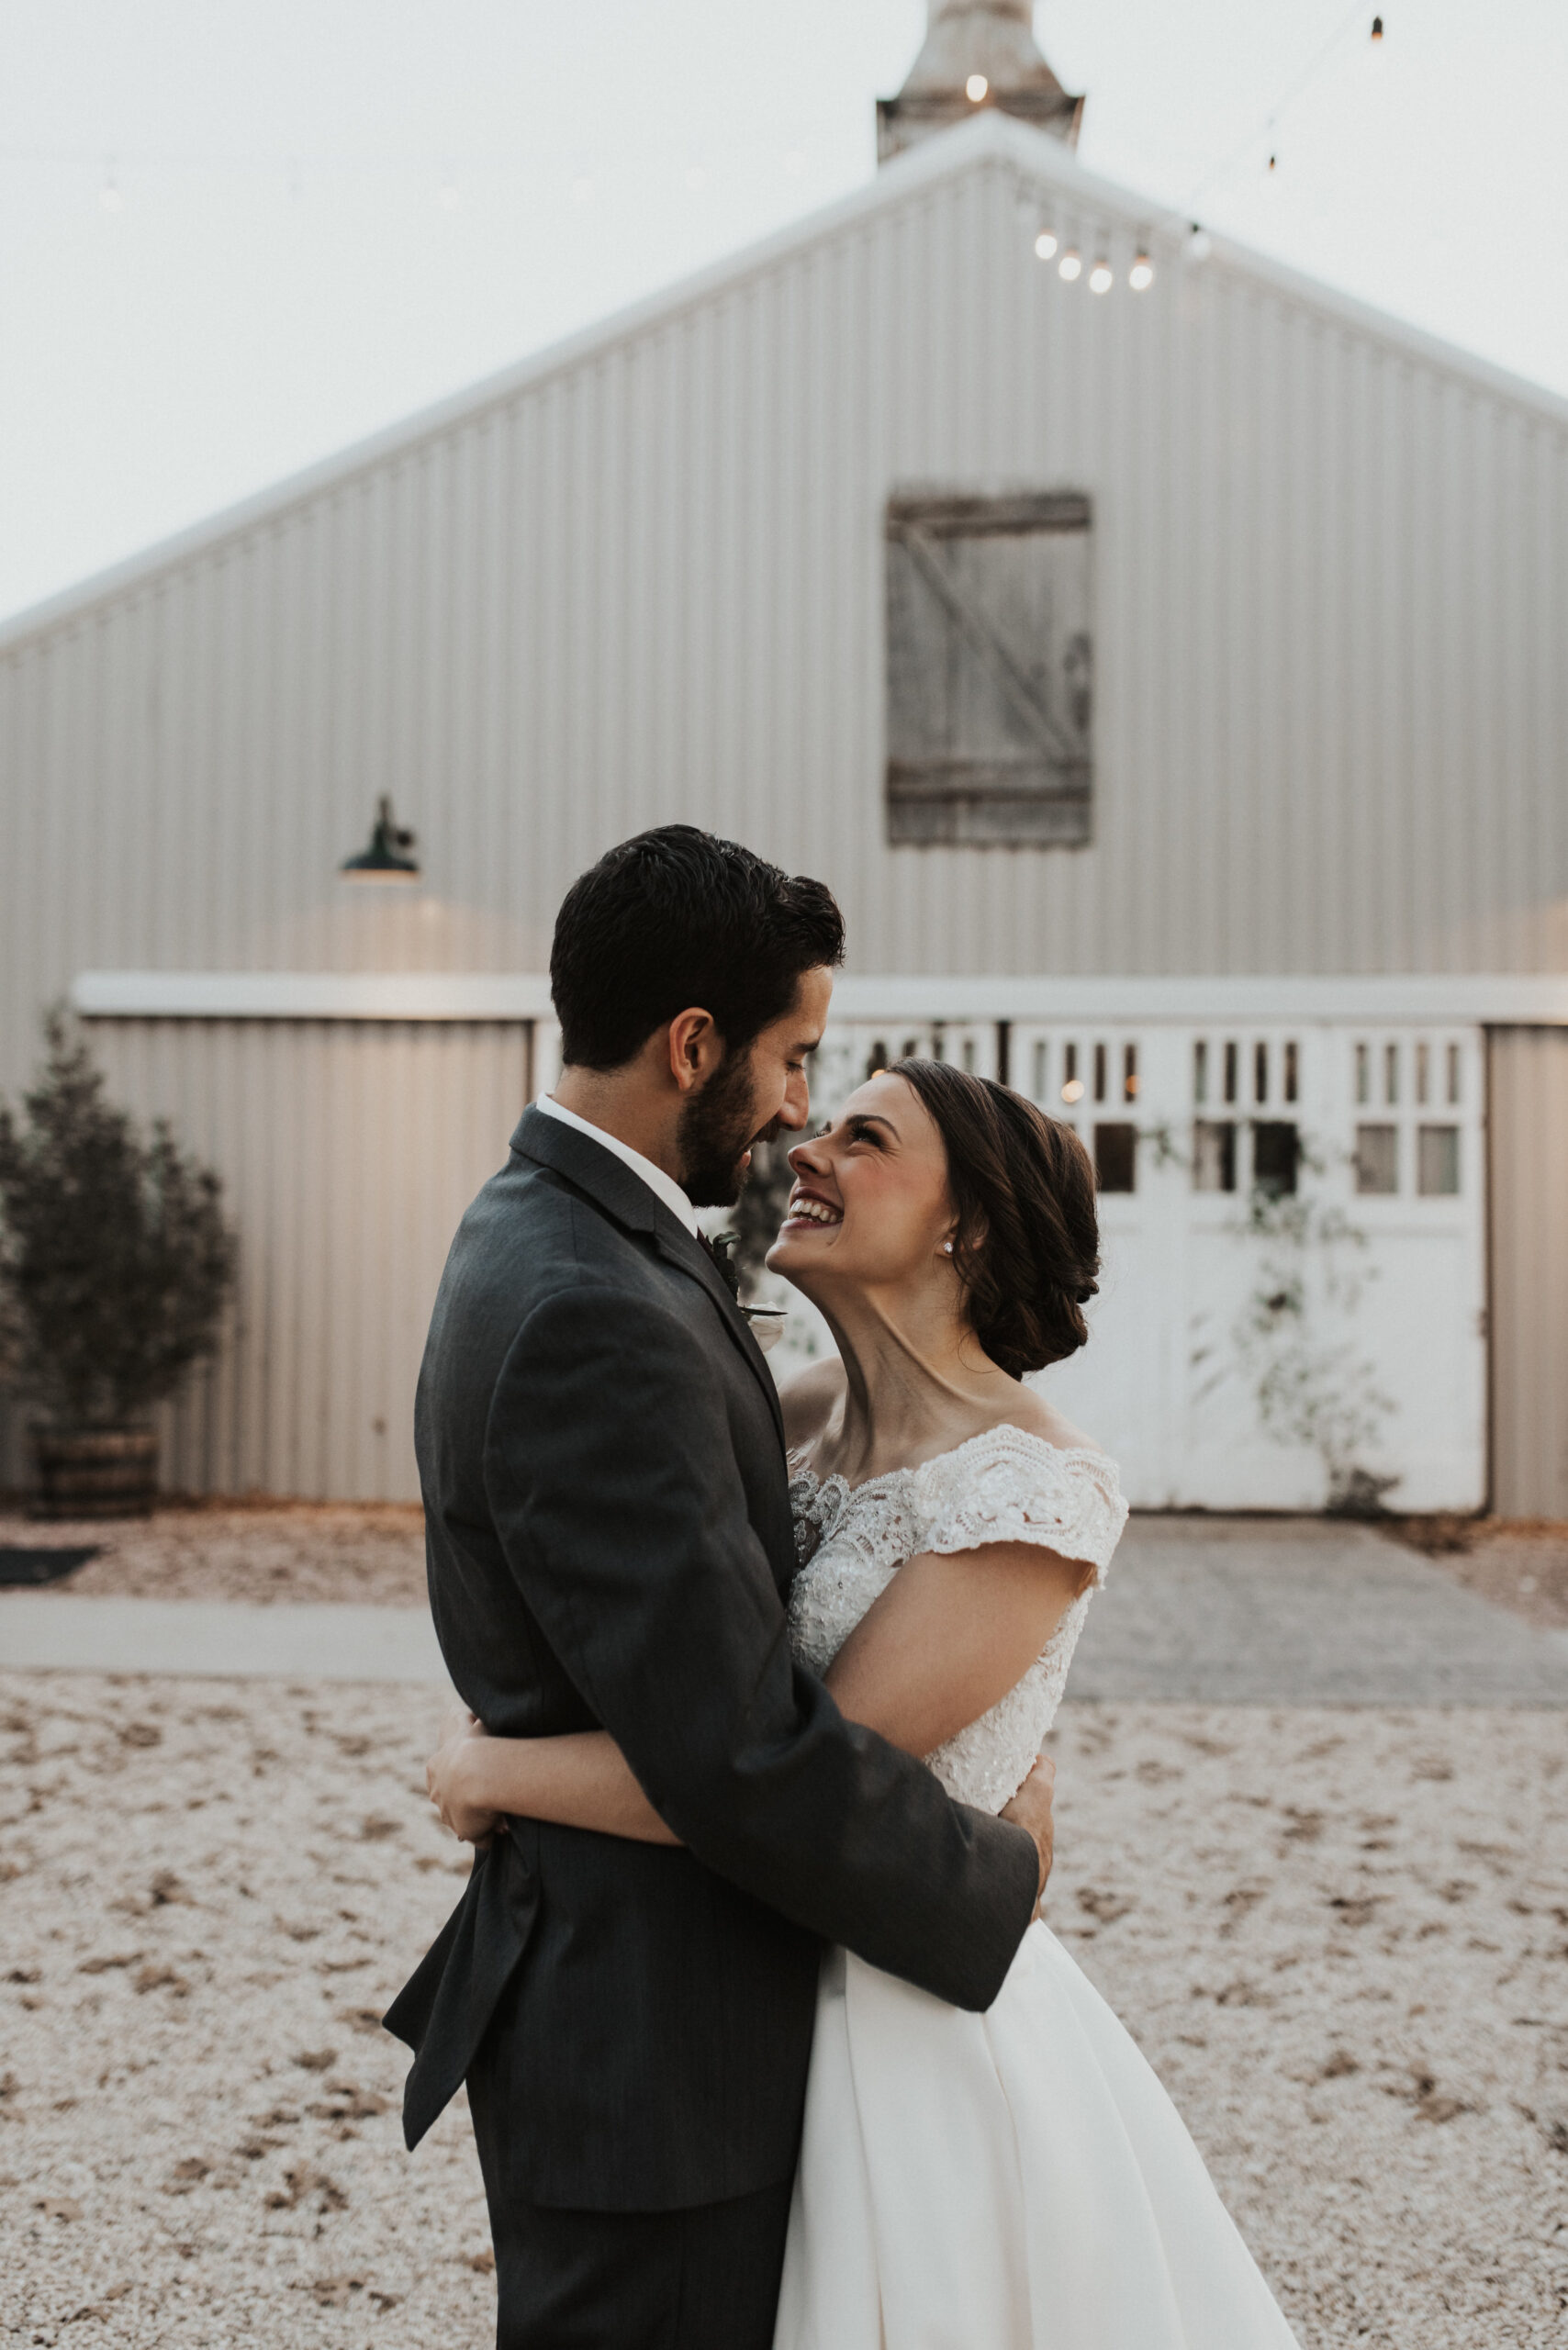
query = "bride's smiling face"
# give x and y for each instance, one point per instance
(870, 1205)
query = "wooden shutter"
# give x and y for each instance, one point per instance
(990, 655)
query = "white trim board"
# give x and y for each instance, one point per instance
(1471, 998)
(312, 995)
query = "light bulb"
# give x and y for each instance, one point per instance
(1200, 244)
(1140, 277)
(1377, 30)
(1101, 278)
(1070, 264)
(1073, 1090)
(1046, 245)
(975, 88)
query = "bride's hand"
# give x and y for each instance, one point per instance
(1031, 1808)
(449, 1780)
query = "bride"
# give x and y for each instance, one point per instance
(1018, 2180)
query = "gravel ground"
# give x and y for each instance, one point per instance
(301, 1551)
(293, 1551)
(1342, 1937)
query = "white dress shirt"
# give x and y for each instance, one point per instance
(663, 1186)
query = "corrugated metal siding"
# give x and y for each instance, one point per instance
(348, 1152)
(1528, 1115)
(1332, 729)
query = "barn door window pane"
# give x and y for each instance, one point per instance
(1042, 1064)
(1071, 1084)
(1454, 1072)
(1200, 1071)
(1437, 1162)
(1098, 1072)
(1115, 1158)
(1231, 1062)
(1260, 1072)
(1214, 1154)
(1293, 1074)
(990, 656)
(1390, 1074)
(1276, 1154)
(1377, 1158)
(1129, 1072)
(1423, 1072)
(1363, 1074)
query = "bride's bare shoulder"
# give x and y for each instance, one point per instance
(810, 1400)
(1028, 1410)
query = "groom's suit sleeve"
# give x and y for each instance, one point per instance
(610, 1472)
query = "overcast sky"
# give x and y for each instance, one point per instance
(237, 234)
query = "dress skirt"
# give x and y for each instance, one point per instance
(1016, 2180)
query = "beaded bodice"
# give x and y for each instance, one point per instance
(1004, 1485)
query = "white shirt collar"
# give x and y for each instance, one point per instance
(663, 1186)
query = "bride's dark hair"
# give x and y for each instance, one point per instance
(1027, 1246)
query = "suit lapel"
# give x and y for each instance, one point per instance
(622, 1194)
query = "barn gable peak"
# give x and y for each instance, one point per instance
(976, 46)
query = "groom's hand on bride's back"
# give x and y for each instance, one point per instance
(1031, 1808)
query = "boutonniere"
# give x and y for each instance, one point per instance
(721, 1248)
(765, 1322)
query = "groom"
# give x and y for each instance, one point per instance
(610, 1546)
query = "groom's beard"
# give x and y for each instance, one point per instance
(716, 1131)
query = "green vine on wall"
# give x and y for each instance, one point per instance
(1313, 1389)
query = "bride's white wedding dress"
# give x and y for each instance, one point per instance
(1016, 2180)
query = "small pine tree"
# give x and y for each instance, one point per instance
(114, 1259)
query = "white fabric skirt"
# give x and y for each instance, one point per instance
(1017, 2180)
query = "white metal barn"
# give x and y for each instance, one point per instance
(1173, 684)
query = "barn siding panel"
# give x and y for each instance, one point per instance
(1528, 1115)
(348, 1153)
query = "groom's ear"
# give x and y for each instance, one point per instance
(696, 1048)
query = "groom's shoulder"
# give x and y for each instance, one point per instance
(532, 1220)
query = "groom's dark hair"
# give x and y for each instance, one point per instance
(676, 918)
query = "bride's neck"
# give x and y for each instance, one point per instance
(915, 1381)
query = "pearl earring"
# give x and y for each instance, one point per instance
(946, 1247)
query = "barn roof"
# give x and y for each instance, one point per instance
(1046, 170)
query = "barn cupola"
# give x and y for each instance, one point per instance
(978, 53)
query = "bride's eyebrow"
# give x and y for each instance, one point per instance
(861, 1124)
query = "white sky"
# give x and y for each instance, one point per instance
(333, 211)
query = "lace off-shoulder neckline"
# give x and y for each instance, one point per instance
(1059, 1453)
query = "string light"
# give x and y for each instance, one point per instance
(1070, 264)
(1140, 277)
(1200, 244)
(1377, 33)
(976, 88)
(1101, 278)
(1046, 245)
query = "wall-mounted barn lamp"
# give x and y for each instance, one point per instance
(386, 859)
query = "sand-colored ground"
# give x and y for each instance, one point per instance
(290, 1551)
(1341, 1937)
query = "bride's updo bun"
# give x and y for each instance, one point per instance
(1027, 1248)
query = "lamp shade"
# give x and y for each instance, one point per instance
(386, 859)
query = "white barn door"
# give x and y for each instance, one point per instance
(1291, 1301)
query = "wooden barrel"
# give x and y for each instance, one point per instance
(95, 1472)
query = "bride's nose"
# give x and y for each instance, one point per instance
(807, 1157)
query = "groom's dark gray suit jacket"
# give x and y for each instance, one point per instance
(609, 1545)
